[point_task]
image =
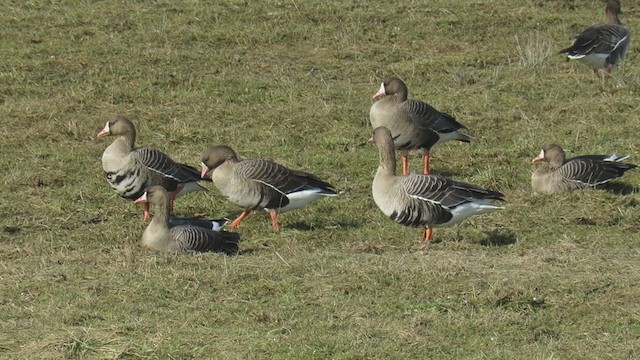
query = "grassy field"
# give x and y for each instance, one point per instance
(549, 277)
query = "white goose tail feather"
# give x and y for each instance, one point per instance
(616, 158)
(300, 199)
(469, 209)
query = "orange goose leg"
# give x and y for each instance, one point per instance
(236, 223)
(172, 198)
(146, 212)
(427, 234)
(405, 163)
(608, 74)
(426, 163)
(274, 220)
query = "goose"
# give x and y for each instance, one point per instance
(162, 235)
(414, 124)
(604, 45)
(256, 184)
(565, 175)
(131, 170)
(426, 201)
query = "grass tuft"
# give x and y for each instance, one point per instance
(534, 50)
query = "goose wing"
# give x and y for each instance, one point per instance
(159, 162)
(280, 178)
(592, 172)
(446, 192)
(602, 39)
(195, 239)
(426, 116)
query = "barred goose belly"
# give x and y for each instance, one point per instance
(424, 200)
(559, 174)
(162, 234)
(414, 125)
(604, 45)
(260, 184)
(130, 170)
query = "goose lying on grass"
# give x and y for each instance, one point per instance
(564, 175)
(161, 235)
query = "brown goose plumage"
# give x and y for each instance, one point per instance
(256, 184)
(161, 234)
(131, 170)
(604, 45)
(564, 175)
(424, 200)
(414, 124)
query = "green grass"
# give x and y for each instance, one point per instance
(550, 277)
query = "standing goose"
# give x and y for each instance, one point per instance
(162, 235)
(424, 200)
(130, 170)
(562, 175)
(604, 45)
(413, 124)
(261, 184)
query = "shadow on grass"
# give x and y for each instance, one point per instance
(499, 237)
(248, 251)
(318, 226)
(620, 188)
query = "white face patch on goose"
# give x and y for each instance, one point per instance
(540, 157)
(105, 131)
(142, 199)
(204, 169)
(381, 92)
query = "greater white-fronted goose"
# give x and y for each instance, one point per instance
(564, 175)
(131, 170)
(420, 200)
(255, 184)
(162, 235)
(604, 45)
(414, 124)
